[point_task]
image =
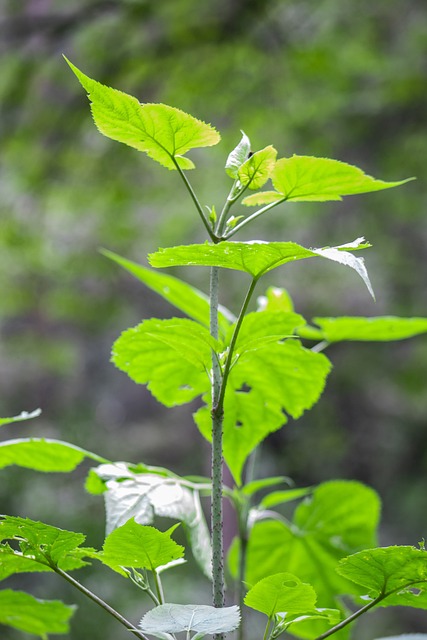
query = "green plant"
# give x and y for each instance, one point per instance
(252, 371)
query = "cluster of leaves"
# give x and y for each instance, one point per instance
(268, 369)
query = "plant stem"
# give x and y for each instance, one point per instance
(159, 588)
(217, 480)
(229, 360)
(252, 217)
(354, 616)
(129, 626)
(196, 202)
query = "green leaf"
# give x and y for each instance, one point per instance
(22, 416)
(282, 376)
(339, 516)
(181, 295)
(140, 546)
(275, 299)
(143, 496)
(44, 454)
(262, 327)
(43, 543)
(172, 357)
(257, 258)
(173, 618)
(307, 178)
(257, 169)
(253, 487)
(280, 593)
(397, 573)
(281, 497)
(380, 329)
(164, 133)
(265, 197)
(238, 156)
(23, 612)
(12, 562)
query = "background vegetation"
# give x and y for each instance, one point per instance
(337, 78)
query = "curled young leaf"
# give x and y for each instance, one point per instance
(238, 156)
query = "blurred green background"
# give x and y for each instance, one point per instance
(340, 78)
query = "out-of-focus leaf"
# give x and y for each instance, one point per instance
(40, 617)
(281, 497)
(25, 415)
(164, 133)
(44, 454)
(275, 299)
(380, 329)
(181, 295)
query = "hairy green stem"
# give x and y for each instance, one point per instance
(231, 199)
(196, 202)
(233, 341)
(218, 595)
(159, 588)
(354, 616)
(129, 626)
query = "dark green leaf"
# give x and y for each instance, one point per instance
(23, 612)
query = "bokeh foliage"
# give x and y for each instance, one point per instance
(316, 77)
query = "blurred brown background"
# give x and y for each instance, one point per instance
(337, 78)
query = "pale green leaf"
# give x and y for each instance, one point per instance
(164, 133)
(340, 515)
(281, 593)
(261, 327)
(264, 197)
(254, 486)
(380, 329)
(140, 546)
(40, 617)
(257, 258)
(282, 376)
(173, 618)
(43, 543)
(238, 156)
(181, 295)
(25, 415)
(44, 454)
(143, 496)
(257, 169)
(172, 357)
(281, 497)
(321, 179)
(398, 573)
(275, 299)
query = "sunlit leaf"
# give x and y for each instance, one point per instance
(238, 156)
(320, 179)
(181, 295)
(275, 299)
(398, 573)
(172, 357)
(257, 169)
(24, 612)
(43, 543)
(257, 258)
(380, 329)
(264, 197)
(143, 496)
(43, 454)
(281, 592)
(164, 133)
(173, 618)
(140, 546)
(25, 415)
(261, 327)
